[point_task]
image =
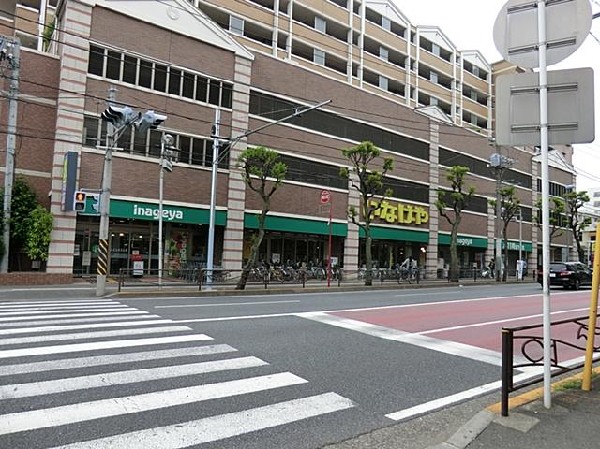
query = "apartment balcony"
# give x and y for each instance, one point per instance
(475, 82)
(384, 68)
(385, 37)
(474, 107)
(440, 65)
(326, 9)
(319, 40)
(250, 13)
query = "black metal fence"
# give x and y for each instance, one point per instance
(531, 349)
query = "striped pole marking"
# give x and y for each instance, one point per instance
(31, 389)
(224, 426)
(113, 359)
(103, 408)
(102, 257)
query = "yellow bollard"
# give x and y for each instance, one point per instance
(586, 385)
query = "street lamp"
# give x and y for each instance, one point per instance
(166, 142)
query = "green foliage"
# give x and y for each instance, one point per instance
(48, 33)
(38, 235)
(263, 172)
(23, 203)
(456, 199)
(366, 175)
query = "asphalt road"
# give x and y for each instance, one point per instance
(278, 371)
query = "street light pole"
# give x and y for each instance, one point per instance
(165, 141)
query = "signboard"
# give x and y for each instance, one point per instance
(570, 108)
(325, 196)
(568, 23)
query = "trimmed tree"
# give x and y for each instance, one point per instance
(577, 223)
(366, 176)
(510, 206)
(456, 200)
(556, 215)
(37, 241)
(263, 173)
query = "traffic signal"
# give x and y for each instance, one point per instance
(119, 115)
(149, 120)
(79, 201)
(95, 203)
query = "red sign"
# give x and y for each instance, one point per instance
(325, 196)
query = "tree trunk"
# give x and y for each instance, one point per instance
(241, 285)
(454, 270)
(368, 257)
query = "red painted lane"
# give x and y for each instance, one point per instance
(479, 322)
(438, 315)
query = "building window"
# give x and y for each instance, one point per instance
(435, 49)
(383, 82)
(433, 101)
(320, 24)
(236, 25)
(433, 77)
(118, 66)
(475, 70)
(386, 24)
(319, 56)
(384, 53)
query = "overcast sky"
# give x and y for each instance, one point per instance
(469, 25)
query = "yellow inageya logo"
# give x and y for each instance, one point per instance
(399, 213)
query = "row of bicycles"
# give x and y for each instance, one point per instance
(398, 274)
(281, 273)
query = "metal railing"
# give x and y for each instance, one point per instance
(532, 349)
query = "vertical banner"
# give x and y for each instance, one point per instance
(69, 181)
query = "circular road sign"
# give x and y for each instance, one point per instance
(568, 23)
(325, 196)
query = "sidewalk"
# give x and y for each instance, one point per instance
(572, 421)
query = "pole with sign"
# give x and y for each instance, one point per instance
(326, 199)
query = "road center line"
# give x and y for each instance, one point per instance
(224, 304)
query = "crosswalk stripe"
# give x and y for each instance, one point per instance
(33, 330)
(74, 413)
(38, 310)
(23, 306)
(219, 427)
(113, 359)
(56, 301)
(64, 385)
(98, 346)
(98, 319)
(73, 315)
(92, 334)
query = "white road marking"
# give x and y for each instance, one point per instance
(98, 346)
(444, 346)
(219, 427)
(73, 315)
(33, 330)
(63, 385)
(113, 359)
(225, 304)
(21, 305)
(52, 311)
(79, 320)
(77, 336)
(505, 320)
(57, 302)
(86, 411)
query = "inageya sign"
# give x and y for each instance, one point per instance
(399, 213)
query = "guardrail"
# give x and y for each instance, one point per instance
(532, 349)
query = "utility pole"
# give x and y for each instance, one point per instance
(499, 162)
(10, 52)
(210, 251)
(103, 254)
(165, 164)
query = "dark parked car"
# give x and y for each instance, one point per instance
(568, 274)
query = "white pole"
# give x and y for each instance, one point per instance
(160, 211)
(543, 78)
(213, 202)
